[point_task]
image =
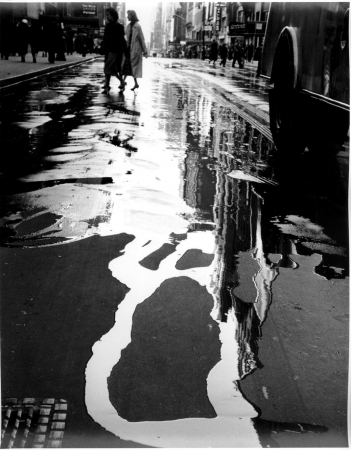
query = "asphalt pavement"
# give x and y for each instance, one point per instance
(13, 71)
(108, 180)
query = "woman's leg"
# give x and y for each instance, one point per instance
(122, 80)
(107, 80)
(106, 87)
(135, 84)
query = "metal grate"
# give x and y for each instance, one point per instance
(33, 422)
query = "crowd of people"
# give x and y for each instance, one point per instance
(235, 53)
(123, 49)
(51, 39)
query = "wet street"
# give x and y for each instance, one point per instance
(161, 273)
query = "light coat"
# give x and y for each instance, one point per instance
(137, 48)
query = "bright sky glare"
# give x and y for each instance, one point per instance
(145, 11)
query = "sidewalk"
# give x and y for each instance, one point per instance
(13, 71)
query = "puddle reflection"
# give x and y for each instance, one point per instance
(193, 169)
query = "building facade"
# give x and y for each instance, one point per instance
(180, 26)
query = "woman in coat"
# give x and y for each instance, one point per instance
(34, 40)
(133, 65)
(114, 44)
(23, 39)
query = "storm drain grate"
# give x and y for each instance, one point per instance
(33, 422)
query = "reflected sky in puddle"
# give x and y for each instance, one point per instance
(194, 168)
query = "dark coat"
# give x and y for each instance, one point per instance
(34, 38)
(224, 52)
(214, 51)
(51, 37)
(81, 44)
(114, 40)
(22, 38)
(7, 36)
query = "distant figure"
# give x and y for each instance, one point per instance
(51, 35)
(96, 45)
(214, 52)
(7, 37)
(220, 46)
(258, 57)
(249, 52)
(238, 55)
(23, 39)
(61, 45)
(114, 44)
(69, 41)
(81, 43)
(34, 40)
(90, 43)
(224, 54)
(231, 52)
(136, 49)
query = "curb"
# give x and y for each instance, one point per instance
(8, 84)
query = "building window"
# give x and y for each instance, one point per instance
(240, 14)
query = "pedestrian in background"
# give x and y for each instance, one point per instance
(23, 39)
(238, 55)
(51, 34)
(214, 52)
(114, 45)
(69, 41)
(224, 55)
(231, 52)
(258, 57)
(7, 37)
(220, 46)
(136, 49)
(250, 52)
(34, 40)
(62, 46)
(81, 43)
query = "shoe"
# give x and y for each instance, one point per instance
(106, 89)
(135, 87)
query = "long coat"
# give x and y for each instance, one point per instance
(214, 51)
(137, 48)
(23, 38)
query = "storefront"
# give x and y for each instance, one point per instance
(88, 24)
(251, 32)
(195, 46)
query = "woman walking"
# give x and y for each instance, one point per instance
(114, 44)
(133, 65)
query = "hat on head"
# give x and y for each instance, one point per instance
(25, 21)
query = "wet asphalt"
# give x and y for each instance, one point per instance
(162, 273)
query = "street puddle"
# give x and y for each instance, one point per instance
(232, 425)
(194, 183)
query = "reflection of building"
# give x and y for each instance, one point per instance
(238, 233)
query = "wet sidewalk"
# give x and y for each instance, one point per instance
(13, 71)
